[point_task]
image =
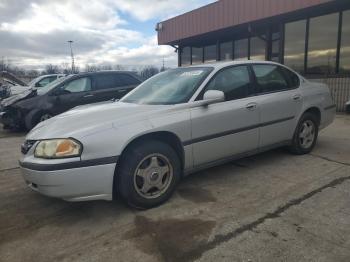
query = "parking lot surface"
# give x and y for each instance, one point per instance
(271, 207)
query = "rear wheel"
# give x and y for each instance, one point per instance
(148, 174)
(306, 134)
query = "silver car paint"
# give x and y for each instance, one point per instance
(106, 129)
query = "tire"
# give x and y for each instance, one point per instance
(306, 134)
(34, 118)
(148, 175)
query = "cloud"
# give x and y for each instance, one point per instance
(146, 9)
(36, 32)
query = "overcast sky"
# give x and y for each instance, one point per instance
(35, 32)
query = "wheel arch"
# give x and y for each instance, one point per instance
(315, 111)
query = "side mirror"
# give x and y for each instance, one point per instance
(213, 96)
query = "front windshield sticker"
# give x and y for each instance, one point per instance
(192, 73)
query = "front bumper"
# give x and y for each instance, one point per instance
(7, 118)
(75, 184)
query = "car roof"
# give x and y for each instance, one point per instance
(222, 64)
(133, 73)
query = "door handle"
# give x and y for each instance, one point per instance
(297, 97)
(89, 95)
(122, 90)
(251, 106)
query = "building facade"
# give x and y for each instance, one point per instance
(310, 36)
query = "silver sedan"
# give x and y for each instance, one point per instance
(178, 122)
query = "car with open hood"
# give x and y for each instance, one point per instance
(36, 83)
(178, 122)
(30, 107)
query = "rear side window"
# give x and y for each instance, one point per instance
(233, 81)
(106, 81)
(128, 80)
(293, 78)
(270, 79)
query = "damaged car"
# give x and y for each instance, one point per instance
(27, 109)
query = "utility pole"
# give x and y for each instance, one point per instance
(72, 55)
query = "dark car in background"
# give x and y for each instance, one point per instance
(27, 109)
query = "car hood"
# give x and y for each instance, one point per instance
(15, 98)
(84, 120)
(18, 89)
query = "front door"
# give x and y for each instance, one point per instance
(229, 128)
(74, 93)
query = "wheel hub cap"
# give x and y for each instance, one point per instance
(153, 176)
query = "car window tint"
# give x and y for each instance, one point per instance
(106, 81)
(233, 81)
(269, 78)
(128, 80)
(79, 85)
(293, 78)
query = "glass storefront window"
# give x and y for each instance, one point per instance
(197, 55)
(241, 49)
(226, 51)
(186, 56)
(210, 53)
(257, 48)
(323, 37)
(294, 45)
(344, 66)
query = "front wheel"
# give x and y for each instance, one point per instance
(34, 118)
(306, 134)
(148, 174)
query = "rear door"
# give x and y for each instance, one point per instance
(279, 101)
(113, 85)
(222, 130)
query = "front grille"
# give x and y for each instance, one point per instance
(26, 146)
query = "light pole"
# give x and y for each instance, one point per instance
(72, 55)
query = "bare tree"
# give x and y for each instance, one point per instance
(91, 68)
(118, 67)
(5, 65)
(148, 72)
(51, 69)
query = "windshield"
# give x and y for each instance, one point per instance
(171, 87)
(43, 90)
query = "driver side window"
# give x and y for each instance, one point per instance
(233, 81)
(78, 85)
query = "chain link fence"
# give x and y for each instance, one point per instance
(340, 89)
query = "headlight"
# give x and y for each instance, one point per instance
(58, 148)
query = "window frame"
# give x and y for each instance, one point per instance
(199, 97)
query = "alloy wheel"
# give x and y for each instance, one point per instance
(307, 134)
(153, 176)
